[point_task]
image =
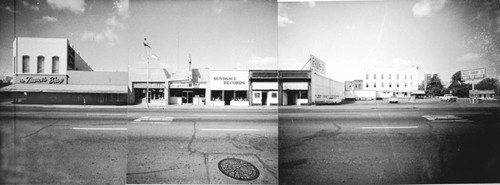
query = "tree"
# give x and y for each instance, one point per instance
(458, 87)
(435, 88)
(488, 84)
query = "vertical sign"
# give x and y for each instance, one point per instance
(317, 65)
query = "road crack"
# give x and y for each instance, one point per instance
(267, 167)
(163, 170)
(193, 137)
(36, 132)
(321, 133)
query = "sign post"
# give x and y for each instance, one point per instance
(473, 75)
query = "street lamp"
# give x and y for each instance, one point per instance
(146, 46)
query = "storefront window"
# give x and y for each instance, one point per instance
(216, 96)
(241, 96)
(256, 95)
(303, 95)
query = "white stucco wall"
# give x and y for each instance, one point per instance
(47, 47)
(34, 47)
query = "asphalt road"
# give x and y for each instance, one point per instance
(118, 146)
(445, 142)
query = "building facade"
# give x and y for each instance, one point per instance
(387, 82)
(50, 71)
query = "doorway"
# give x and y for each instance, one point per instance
(187, 97)
(264, 97)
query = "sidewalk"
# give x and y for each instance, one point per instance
(138, 106)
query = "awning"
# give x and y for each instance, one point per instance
(66, 88)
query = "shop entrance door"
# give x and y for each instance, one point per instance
(187, 97)
(228, 96)
(292, 97)
(264, 97)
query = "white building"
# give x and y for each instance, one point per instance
(386, 82)
(46, 56)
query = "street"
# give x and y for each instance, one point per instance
(135, 146)
(382, 143)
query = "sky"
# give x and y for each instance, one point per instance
(350, 36)
(109, 34)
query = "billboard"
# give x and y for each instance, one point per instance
(317, 65)
(474, 74)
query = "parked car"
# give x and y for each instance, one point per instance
(448, 97)
(333, 100)
(393, 99)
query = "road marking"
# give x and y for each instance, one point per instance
(105, 114)
(99, 128)
(405, 127)
(445, 118)
(162, 120)
(228, 129)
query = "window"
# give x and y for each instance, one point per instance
(367, 76)
(411, 77)
(397, 76)
(382, 85)
(405, 84)
(303, 95)
(366, 84)
(15, 66)
(55, 65)
(256, 95)
(374, 76)
(374, 84)
(26, 64)
(411, 84)
(397, 85)
(382, 76)
(390, 76)
(405, 77)
(390, 84)
(274, 95)
(40, 64)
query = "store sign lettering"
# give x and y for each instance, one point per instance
(229, 80)
(44, 80)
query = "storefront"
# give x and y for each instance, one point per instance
(156, 91)
(295, 87)
(187, 92)
(77, 87)
(264, 87)
(228, 87)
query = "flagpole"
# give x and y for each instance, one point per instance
(147, 82)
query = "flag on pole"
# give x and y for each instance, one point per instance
(146, 43)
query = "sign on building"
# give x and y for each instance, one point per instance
(229, 80)
(474, 74)
(317, 65)
(41, 79)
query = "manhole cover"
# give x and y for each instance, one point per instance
(238, 169)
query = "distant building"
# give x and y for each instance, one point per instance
(387, 82)
(354, 85)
